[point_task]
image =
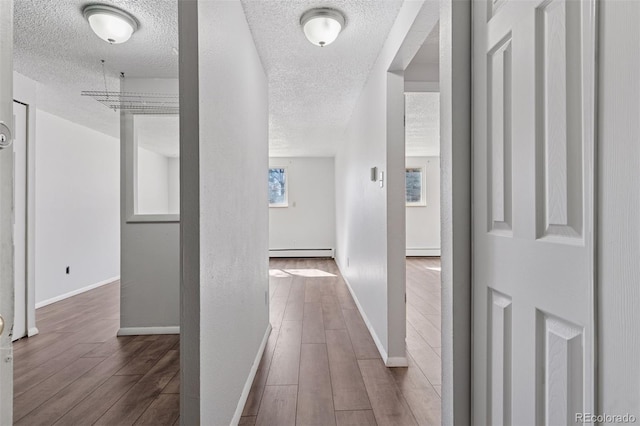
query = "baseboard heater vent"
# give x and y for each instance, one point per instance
(301, 253)
(423, 252)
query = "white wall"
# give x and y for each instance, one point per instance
(77, 208)
(225, 238)
(309, 221)
(174, 185)
(370, 236)
(150, 277)
(423, 222)
(618, 293)
(153, 182)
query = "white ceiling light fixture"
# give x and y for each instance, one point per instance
(322, 26)
(113, 25)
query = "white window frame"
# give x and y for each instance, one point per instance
(129, 160)
(284, 204)
(423, 187)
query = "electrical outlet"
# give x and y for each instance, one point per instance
(68, 270)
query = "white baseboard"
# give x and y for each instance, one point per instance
(75, 292)
(388, 361)
(33, 331)
(252, 375)
(301, 253)
(423, 252)
(144, 331)
(397, 361)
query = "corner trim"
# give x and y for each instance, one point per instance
(76, 292)
(144, 331)
(33, 331)
(252, 375)
(397, 361)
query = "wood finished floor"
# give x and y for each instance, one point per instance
(320, 367)
(77, 372)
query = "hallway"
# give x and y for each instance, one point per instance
(321, 365)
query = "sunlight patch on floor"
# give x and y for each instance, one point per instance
(307, 273)
(278, 273)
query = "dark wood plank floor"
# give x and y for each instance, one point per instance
(77, 372)
(321, 366)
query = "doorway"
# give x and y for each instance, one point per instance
(422, 213)
(20, 221)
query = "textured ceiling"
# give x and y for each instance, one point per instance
(54, 45)
(313, 90)
(159, 133)
(422, 130)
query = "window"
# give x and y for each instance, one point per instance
(414, 186)
(278, 187)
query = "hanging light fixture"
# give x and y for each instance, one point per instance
(322, 26)
(113, 25)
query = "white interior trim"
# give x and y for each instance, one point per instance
(129, 184)
(388, 361)
(252, 375)
(75, 292)
(154, 218)
(145, 331)
(25, 92)
(423, 252)
(397, 361)
(456, 209)
(301, 253)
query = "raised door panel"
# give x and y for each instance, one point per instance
(533, 211)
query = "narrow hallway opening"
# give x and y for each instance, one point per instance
(321, 365)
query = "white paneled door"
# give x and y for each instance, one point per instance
(533, 273)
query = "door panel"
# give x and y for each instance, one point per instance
(533, 248)
(20, 220)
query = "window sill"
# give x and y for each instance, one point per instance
(154, 218)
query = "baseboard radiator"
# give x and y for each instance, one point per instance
(423, 252)
(327, 252)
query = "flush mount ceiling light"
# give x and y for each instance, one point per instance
(113, 25)
(322, 26)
